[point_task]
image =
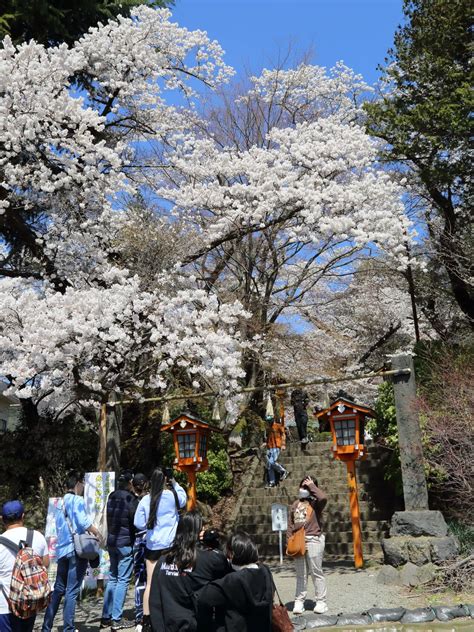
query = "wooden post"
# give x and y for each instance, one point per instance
(192, 490)
(355, 514)
(102, 461)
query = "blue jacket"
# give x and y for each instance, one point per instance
(121, 507)
(163, 534)
(80, 521)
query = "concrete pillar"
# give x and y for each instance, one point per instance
(415, 491)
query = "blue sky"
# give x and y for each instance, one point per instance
(251, 31)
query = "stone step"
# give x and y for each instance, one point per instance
(264, 521)
(336, 515)
(338, 551)
(334, 498)
(343, 537)
(326, 458)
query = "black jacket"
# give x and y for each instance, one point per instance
(121, 507)
(173, 604)
(246, 596)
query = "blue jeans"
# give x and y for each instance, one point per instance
(11, 623)
(273, 465)
(71, 571)
(121, 566)
(139, 567)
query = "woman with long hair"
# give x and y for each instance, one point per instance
(157, 512)
(179, 574)
(246, 595)
(305, 513)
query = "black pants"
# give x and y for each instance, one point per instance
(301, 419)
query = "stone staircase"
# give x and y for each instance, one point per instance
(253, 510)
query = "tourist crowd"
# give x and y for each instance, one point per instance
(184, 578)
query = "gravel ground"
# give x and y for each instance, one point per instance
(349, 591)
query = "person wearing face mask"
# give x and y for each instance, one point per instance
(306, 513)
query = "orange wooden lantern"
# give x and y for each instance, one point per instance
(191, 440)
(347, 422)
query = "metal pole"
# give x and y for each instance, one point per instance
(280, 542)
(102, 461)
(355, 514)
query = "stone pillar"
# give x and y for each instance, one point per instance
(419, 537)
(415, 491)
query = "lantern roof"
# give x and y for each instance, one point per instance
(195, 421)
(348, 404)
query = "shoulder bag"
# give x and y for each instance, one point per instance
(86, 545)
(281, 621)
(296, 545)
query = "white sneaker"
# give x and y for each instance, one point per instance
(321, 607)
(138, 627)
(298, 608)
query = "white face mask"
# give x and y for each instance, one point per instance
(303, 493)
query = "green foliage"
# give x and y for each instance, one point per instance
(425, 116)
(322, 437)
(212, 485)
(51, 22)
(66, 444)
(251, 428)
(383, 430)
(465, 535)
(384, 426)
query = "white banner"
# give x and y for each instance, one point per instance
(98, 486)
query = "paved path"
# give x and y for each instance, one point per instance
(349, 591)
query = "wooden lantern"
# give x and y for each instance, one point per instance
(191, 440)
(347, 422)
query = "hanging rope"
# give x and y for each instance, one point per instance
(270, 387)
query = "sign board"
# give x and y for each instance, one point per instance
(98, 486)
(50, 535)
(279, 517)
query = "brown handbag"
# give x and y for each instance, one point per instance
(296, 545)
(281, 621)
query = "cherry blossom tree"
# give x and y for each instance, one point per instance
(283, 186)
(74, 325)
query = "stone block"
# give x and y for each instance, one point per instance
(443, 549)
(395, 551)
(389, 575)
(426, 573)
(418, 550)
(418, 523)
(413, 575)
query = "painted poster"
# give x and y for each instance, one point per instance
(98, 486)
(50, 535)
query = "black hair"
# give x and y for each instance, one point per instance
(124, 479)
(211, 539)
(139, 482)
(315, 480)
(183, 553)
(73, 478)
(242, 549)
(157, 485)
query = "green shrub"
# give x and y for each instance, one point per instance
(322, 437)
(384, 431)
(465, 535)
(212, 484)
